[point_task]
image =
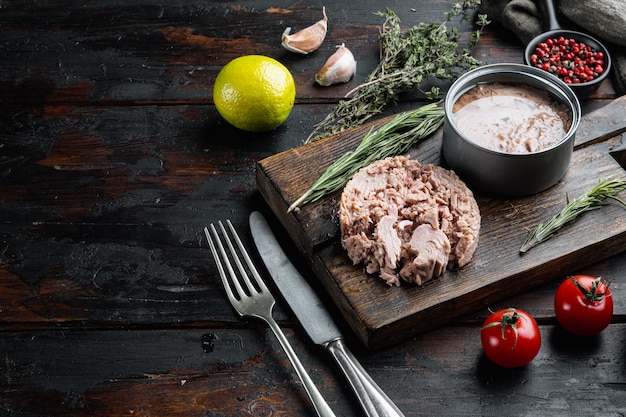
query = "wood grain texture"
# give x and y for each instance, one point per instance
(112, 160)
(245, 373)
(497, 270)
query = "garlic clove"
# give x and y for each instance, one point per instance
(308, 39)
(339, 67)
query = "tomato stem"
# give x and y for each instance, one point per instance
(592, 294)
(507, 320)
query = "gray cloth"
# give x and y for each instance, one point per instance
(603, 19)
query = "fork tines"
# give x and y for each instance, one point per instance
(256, 301)
(222, 259)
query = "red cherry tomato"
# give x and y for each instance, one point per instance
(583, 305)
(510, 338)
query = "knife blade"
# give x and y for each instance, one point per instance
(316, 320)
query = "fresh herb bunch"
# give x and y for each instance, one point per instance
(591, 200)
(407, 58)
(393, 138)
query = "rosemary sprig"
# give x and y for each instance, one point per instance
(393, 138)
(407, 58)
(591, 200)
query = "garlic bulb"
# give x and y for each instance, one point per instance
(308, 39)
(339, 68)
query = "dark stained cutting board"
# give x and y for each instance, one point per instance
(381, 315)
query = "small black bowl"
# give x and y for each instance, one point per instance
(582, 90)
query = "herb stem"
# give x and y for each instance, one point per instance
(591, 200)
(393, 138)
(407, 58)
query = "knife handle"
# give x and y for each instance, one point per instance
(374, 401)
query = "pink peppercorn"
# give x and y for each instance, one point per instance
(574, 62)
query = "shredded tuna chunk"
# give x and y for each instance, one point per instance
(405, 221)
(426, 254)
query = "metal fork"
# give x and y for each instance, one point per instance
(250, 297)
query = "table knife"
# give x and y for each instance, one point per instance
(316, 320)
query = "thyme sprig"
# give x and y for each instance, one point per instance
(591, 200)
(407, 58)
(393, 138)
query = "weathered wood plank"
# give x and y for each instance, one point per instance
(497, 270)
(150, 52)
(244, 372)
(103, 224)
(112, 159)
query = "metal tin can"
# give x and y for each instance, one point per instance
(495, 173)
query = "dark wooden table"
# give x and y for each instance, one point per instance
(113, 159)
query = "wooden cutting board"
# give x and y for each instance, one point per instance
(381, 315)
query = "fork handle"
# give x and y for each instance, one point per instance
(374, 401)
(321, 406)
